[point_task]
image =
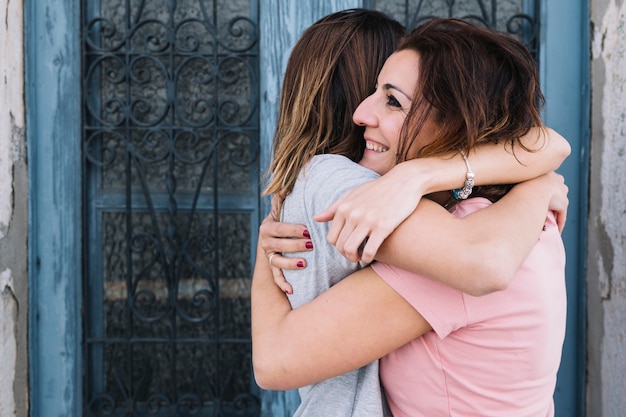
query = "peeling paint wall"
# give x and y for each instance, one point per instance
(606, 257)
(13, 218)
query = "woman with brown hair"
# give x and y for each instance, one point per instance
(364, 317)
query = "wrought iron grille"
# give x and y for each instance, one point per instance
(170, 145)
(517, 17)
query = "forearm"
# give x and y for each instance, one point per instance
(478, 254)
(328, 336)
(269, 306)
(492, 164)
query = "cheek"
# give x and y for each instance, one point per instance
(393, 127)
(426, 136)
(416, 147)
(386, 164)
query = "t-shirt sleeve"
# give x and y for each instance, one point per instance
(443, 307)
(328, 177)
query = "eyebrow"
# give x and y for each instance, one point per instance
(388, 86)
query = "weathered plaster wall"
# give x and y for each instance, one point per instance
(606, 275)
(13, 218)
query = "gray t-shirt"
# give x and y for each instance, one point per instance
(321, 182)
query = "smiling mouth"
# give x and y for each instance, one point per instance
(375, 147)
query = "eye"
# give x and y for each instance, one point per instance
(392, 101)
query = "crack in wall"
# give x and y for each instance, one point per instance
(8, 344)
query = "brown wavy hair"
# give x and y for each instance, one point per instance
(332, 68)
(481, 85)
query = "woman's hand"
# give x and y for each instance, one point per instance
(276, 238)
(559, 201)
(364, 217)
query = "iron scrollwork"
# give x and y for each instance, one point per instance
(170, 128)
(517, 17)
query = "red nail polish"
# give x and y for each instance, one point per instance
(309, 245)
(306, 234)
(300, 264)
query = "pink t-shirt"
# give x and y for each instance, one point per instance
(495, 355)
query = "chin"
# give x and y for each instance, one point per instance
(376, 165)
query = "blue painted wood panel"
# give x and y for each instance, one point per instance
(564, 65)
(54, 160)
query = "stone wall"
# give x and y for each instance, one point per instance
(606, 254)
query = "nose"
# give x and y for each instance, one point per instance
(363, 115)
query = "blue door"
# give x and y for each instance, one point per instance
(64, 222)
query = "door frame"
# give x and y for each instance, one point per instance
(564, 71)
(53, 134)
(53, 100)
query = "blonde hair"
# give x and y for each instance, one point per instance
(332, 68)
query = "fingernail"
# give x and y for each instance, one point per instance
(309, 245)
(306, 234)
(300, 264)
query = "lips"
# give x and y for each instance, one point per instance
(372, 146)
